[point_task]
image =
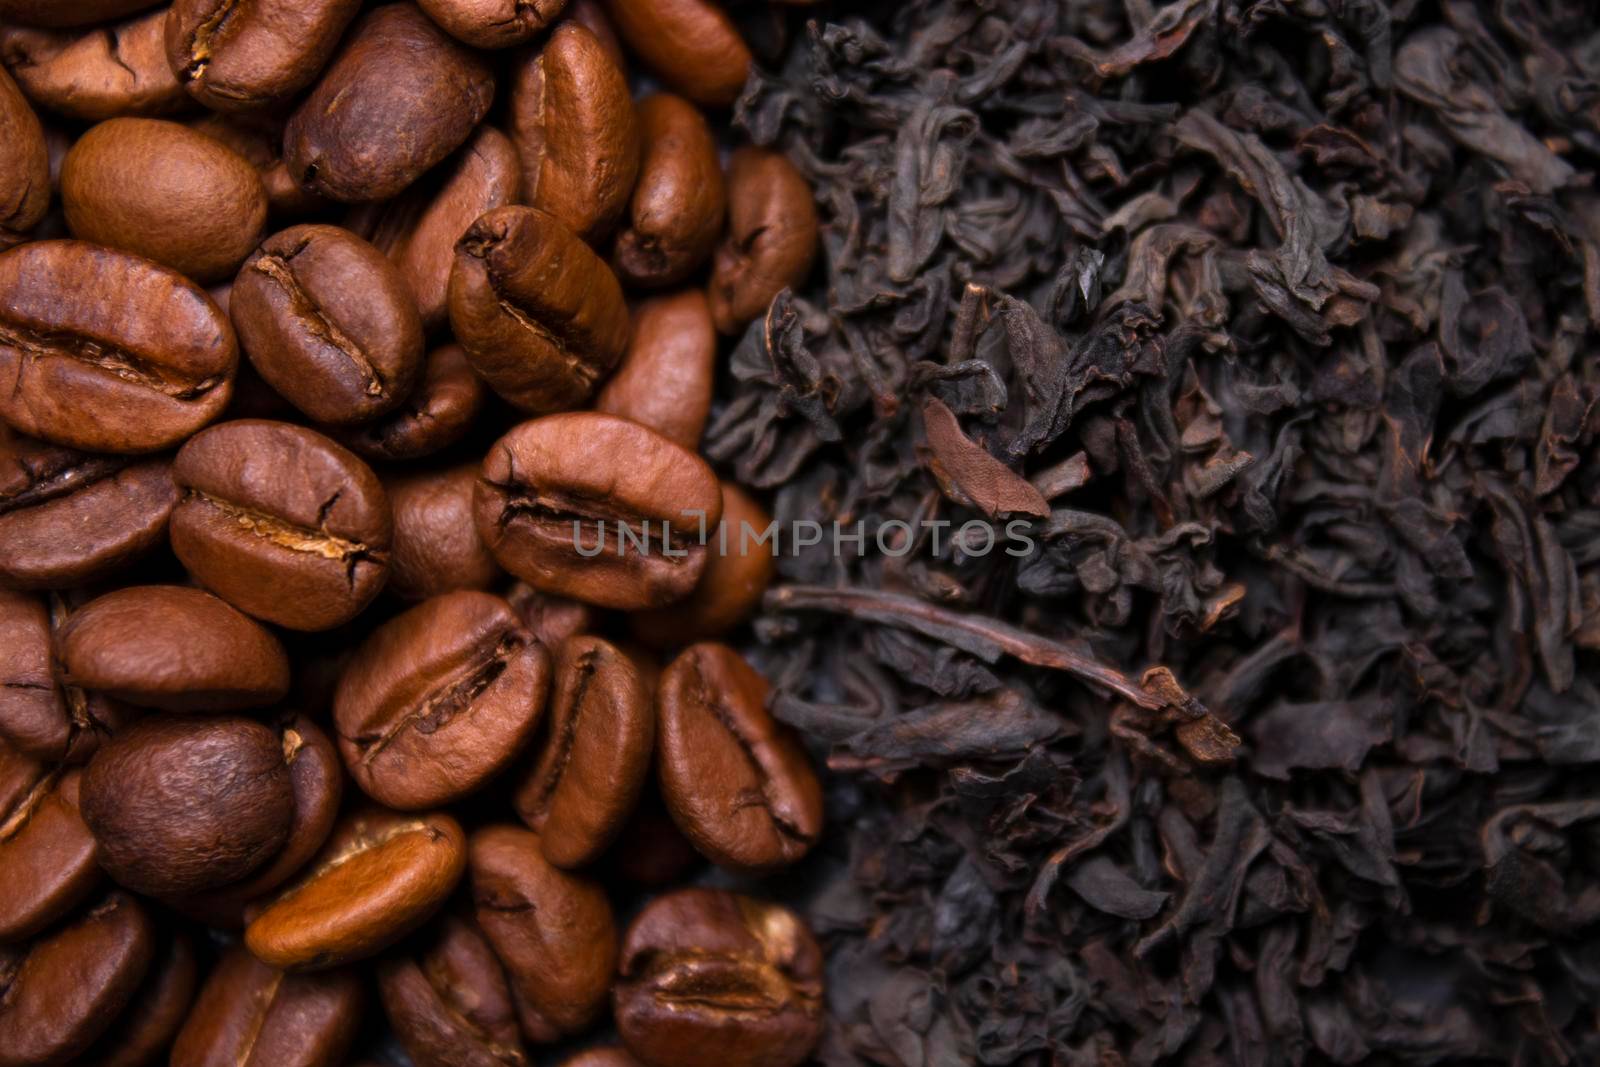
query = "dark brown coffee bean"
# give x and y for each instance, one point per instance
(437, 414)
(552, 619)
(418, 230)
(163, 191)
(281, 522)
(692, 44)
(250, 1015)
(771, 241)
(737, 783)
(70, 518)
(380, 876)
(180, 804)
(492, 23)
(95, 74)
(436, 544)
(145, 1029)
(398, 98)
(553, 931)
(67, 13)
(667, 374)
(448, 1002)
(329, 323)
(738, 571)
(573, 123)
(597, 508)
(596, 754)
(602, 1057)
(168, 646)
(676, 212)
(440, 699)
(62, 991)
(234, 56)
(710, 976)
(47, 855)
(25, 167)
(41, 715)
(541, 316)
(108, 352)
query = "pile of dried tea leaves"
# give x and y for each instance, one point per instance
(1268, 325)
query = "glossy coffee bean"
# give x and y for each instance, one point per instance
(107, 352)
(168, 646)
(67, 13)
(281, 522)
(667, 374)
(492, 23)
(771, 241)
(163, 191)
(692, 44)
(250, 1015)
(736, 782)
(738, 571)
(553, 931)
(70, 518)
(709, 976)
(147, 1026)
(239, 56)
(596, 755)
(574, 126)
(437, 549)
(43, 716)
(25, 167)
(47, 855)
(95, 74)
(380, 876)
(180, 804)
(541, 316)
(557, 485)
(676, 212)
(552, 619)
(61, 991)
(329, 323)
(602, 1057)
(447, 999)
(399, 97)
(439, 700)
(437, 414)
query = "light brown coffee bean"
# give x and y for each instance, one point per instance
(676, 212)
(437, 549)
(47, 855)
(95, 74)
(771, 241)
(669, 369)
(25, 167)
(68, 13)
(235, 56)
(692, 44)
(738, 571)
(41, 715)
(540, 316)
(437, 414)
(447, 999)
(492, 23)
(147, 1026)
(574, 126)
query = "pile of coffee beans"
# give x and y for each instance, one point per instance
(355, 649)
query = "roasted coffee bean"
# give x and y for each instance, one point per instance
(68, 13)
(180, 804)
(692, 44)
(492, 23)
(771, 241)
(437, 414)
(235, 56)
(436, 544)
(145, 1029)
(108, 352)
(602, 1057)
(709, 976)
(258, 138)
(667, 374)
(47, 855)
(737, 783)
(540, 316)
(329, 323)
(250, 1015)
(597, 508)
(379, 877)
(70, 518)
(552, 619)
(398, 98)
(163, 191)
(95, 74)
(281, 522)
(41, 715)
(574, 126)
(553, 931)
(60, 992)
(168, 646)
(447, 999)
(676, 213)
(418, 231)
(440, 699)
(738, 570)
(25, 167)
(596, 756)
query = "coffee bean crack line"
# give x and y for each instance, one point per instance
(719, 980)
(52, 485)
(200, 46)
(291, 536)
(36, 344)
(566, 739)
(306, 309)
(24, 812)
(762, 800)
(444, 703)
(561, 516)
